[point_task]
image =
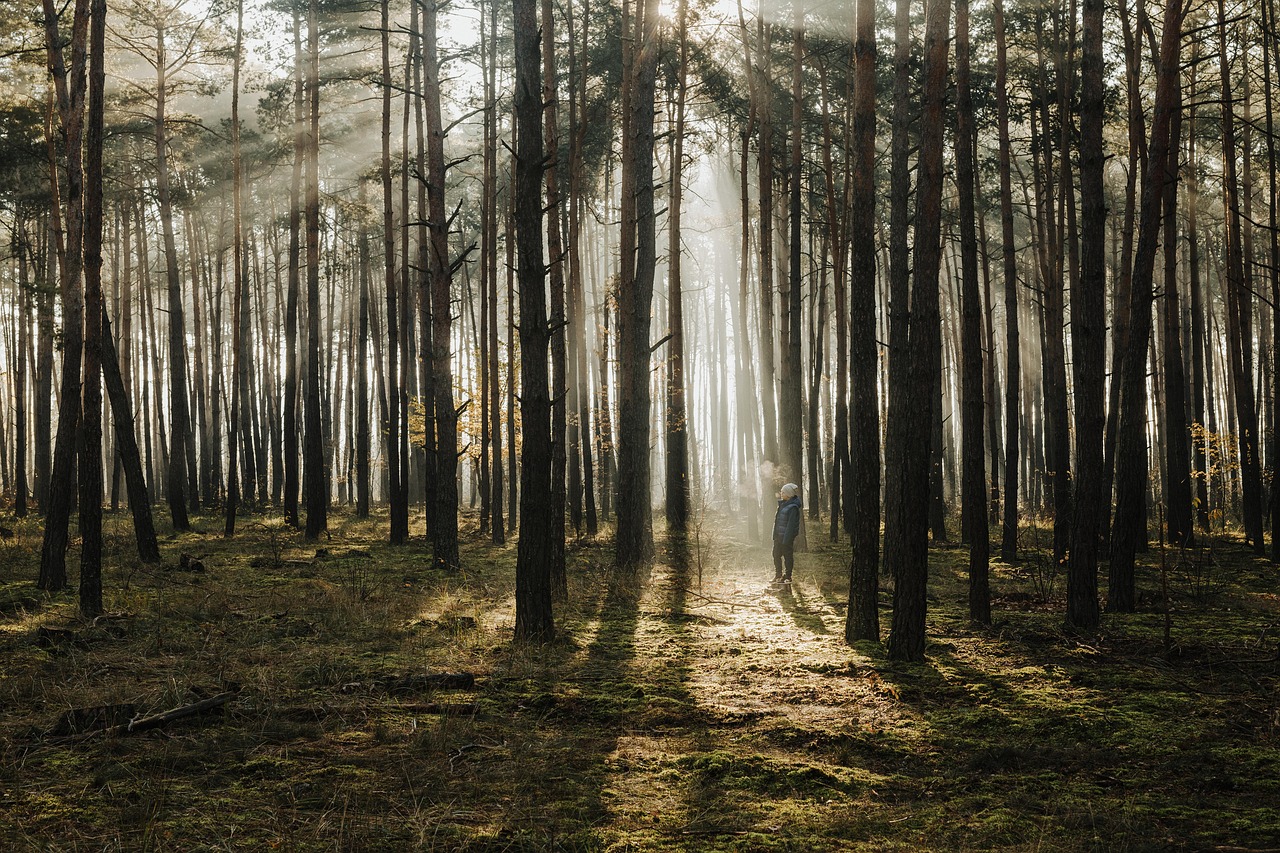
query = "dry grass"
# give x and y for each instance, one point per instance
(694, 709)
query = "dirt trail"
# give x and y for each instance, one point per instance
(772, 698)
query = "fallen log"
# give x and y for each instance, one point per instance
(155, 721)
(84, 724)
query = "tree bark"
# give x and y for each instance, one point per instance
(555, 246)
(1177, 474)
(122, 418)
(634, 537)
(239, 371)
(398, 496)
(533, 560)
(1088, 335)
(317, 480)
(70, 101)
(899, 371)
(1013, 355)
(908, 555)
(790, 397)
(677, 415)
(1269, 44)
(863, 619)
(90, 479)
(445, 516)
(179, 417)
(973, 410)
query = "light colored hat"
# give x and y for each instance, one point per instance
(790, 490)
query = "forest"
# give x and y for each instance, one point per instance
(395, 396)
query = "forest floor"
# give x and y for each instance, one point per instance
(696, 708)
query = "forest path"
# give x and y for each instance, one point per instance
(760, 725)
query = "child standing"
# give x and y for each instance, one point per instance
(786, 526)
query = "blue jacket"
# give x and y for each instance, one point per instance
(786, 524)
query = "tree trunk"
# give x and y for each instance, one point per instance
(179, 417)
(677, 415)
(840, 461)
(497, 527)
(1058, 450)
(791, 404)
(398, 497)
(1200, 379)
(94, 306)
(239, 371)
(23, 252)
(973, 410)
(1238, 302)
(534, 555)
(362, 448)
(1088, 335)
(899, 371)
(43, 396)
(1131, 450)
(1177, 474)
(1269, 43)
(291, 486)
(863, 619)
(313, 440)
(634, 537)
(559, 458)
(1013, 356)
(70, 99)
(122, 417)
(445, 517)
(581, 424)
(908, 554)
(1122, 295)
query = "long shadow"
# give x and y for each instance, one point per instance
(607, 693)
(704, 818)
(562, 722)
(801, 609)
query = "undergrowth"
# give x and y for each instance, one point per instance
(694, 708)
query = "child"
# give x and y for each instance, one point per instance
(786, 526)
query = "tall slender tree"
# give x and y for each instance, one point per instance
(899, 322)
(634, 536)
(863, 620)
(677, 415)
(555, 247)
(534, 621)
(294, 286)
(177, 484)
(90, 475)
(1238, 300)
(908, 554)
(239, 370)
(317, 480)
(974, 485)
(1130, 518)
(1088, 334)
(445, 516)
(397, 487)
(69, 91)
(1013, 355)
(791, 405)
